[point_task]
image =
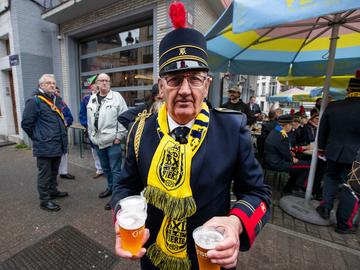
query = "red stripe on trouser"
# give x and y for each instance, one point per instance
(353, 213)
(305, 183)
(300, 166)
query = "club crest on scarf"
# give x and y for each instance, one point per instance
(175, 235)
(171, 167)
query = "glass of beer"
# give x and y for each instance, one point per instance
(206, 238)
(132, 227)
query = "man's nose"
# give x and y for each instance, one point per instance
(184, 87)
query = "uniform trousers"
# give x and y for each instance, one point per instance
(347, 209)
(336, 174)
(47, 172)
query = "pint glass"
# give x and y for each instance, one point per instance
(132, 226)
(206, 238)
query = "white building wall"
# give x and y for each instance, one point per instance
(6, 123)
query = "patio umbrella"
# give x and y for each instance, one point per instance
(336, 81)
(335, 93)
(286, 96)
(296, 38)
(259, 42)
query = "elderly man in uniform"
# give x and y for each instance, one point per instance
(207, 152)
(44, 123)
(339, 139)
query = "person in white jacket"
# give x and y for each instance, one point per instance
(105, 132)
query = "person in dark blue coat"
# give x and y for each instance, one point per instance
(64, 164)
(44, 123)
(278, 155)
(189, 158)
(339, 139)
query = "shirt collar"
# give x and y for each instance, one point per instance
(173, 124)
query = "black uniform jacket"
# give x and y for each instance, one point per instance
(225, 155)
(339, 131)
(44, 127)
(277, 155)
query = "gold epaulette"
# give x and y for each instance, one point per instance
(225, 110)
(140, 119)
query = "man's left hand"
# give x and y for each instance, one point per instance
(117, 141)
(226, 253)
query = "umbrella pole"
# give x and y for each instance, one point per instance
(304, 209)
(325, 101)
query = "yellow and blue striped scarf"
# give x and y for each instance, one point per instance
(169, 190)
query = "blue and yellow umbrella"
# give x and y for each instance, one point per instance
(278, 38)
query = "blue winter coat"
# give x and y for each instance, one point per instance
(44, 127)
(83, 111)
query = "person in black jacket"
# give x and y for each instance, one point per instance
(129, 116)
(278, 156)
(254, 107)
(44, 123)
(339, 139)
(266, 128)
(235, 103)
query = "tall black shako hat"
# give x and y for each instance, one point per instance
(183, 48)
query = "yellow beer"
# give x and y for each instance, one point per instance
(132, 226)
(206, 238)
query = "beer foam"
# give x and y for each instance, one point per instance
(133, 203)
(207, 239)
(131, 220)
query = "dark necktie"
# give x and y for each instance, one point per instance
(180, 134)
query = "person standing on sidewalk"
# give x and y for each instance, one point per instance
(338, 140)
(64, 164)
(105, 132)
(44, 123)
(84, 122)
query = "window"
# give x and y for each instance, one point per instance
(273, 88)
(126, 55)
(263, 89)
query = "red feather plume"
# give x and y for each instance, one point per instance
(177, 13)
(302, 109)
(292, 112)
(357, 74)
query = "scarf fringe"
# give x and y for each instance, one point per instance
(173, 207)
(166, 262)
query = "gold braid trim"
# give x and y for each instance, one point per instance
(141, 118)
(165, 262)
(173, 207)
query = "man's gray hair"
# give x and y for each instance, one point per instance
(44, 76)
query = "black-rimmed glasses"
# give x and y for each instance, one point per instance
(194, 80)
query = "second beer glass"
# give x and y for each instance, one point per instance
(206, 238)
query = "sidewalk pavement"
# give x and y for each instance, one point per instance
(285, 244)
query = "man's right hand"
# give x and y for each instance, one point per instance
(126, 254)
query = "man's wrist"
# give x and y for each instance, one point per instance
(235, 220)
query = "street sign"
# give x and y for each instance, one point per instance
(14, 60)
